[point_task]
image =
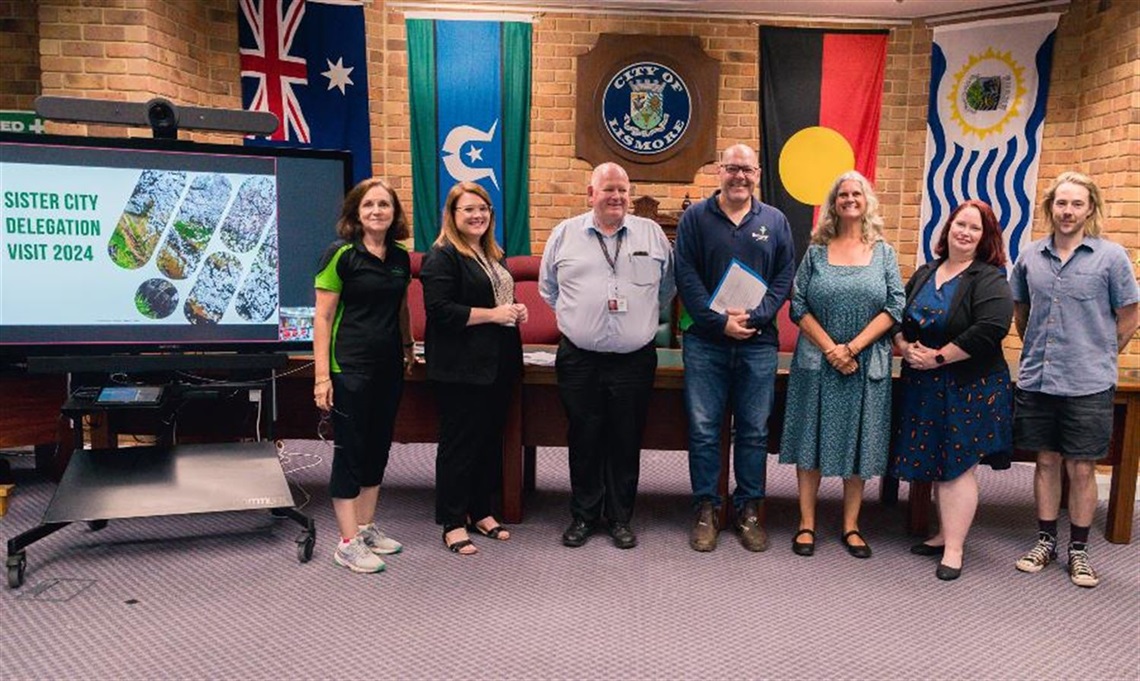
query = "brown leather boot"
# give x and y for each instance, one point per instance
(750, 527)
(703, 535)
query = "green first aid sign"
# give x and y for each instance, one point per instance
(21, 121)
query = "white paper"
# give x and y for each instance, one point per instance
(539, 358)
(739, 289)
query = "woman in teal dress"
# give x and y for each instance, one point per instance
(848, 294)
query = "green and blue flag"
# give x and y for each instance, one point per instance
(469, 84)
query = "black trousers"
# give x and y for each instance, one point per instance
(364, 418)
(606, 397)
(469, 458)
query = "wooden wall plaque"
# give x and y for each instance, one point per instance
(648, 102)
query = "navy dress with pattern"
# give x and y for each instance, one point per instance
(944, 427)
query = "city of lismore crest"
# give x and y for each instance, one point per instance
(646, 107)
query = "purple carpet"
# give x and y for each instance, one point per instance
(223, 595)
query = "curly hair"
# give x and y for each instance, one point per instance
(828, 226)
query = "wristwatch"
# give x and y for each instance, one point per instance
(939, 359)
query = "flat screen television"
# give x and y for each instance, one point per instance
(134, 246)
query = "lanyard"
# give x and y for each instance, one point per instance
(617, 251)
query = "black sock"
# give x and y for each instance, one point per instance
(1078, 538)
(1049, 527)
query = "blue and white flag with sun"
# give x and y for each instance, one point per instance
(988, 85)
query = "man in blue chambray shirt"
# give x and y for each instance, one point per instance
(1075, 308)
(607, 275)
(731, 358)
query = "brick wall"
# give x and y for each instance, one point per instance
(135, 49)
(19, 54)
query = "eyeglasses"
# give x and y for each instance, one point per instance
(483, 209)
(734, 169)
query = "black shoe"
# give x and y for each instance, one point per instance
(577, 533)
(623, 536)
(804, 548)
(947, 573)
(924, 549)
(863, 551)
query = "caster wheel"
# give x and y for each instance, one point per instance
(305, 548)
(16, 566)
(96, 525)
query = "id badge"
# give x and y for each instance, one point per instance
(617, 304)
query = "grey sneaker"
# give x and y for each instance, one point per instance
(703, 535)
(752, 534)
(1080, 570)
(377, 542)
(1042, 553)
(356, 556)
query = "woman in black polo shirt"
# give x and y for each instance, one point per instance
(362, 344)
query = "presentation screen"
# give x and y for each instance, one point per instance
(152, 245)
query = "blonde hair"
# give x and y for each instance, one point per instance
(449, 229)
(1092, 225)
(828, 226)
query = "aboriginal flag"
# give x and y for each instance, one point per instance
(821, 95)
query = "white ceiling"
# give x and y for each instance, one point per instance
(834, 9)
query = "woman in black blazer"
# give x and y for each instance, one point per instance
(474, 357)
(956, 402)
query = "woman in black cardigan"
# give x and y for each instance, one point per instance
(474, 357)
(956, 402)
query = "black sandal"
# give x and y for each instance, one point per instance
(863, 551)
(804, 548)
(456, 547)
(493, 533)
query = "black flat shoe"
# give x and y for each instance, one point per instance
(924, 549)
(577, 533)
(804, 548)
(863, 551)
(947, 573)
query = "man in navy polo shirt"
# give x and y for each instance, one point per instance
(1075, 308)
(730, 358)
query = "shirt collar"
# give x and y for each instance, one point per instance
(755, 208)
(1087, 242)
(591, 225)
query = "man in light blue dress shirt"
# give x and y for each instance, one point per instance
(1075, 308)
(608, 275)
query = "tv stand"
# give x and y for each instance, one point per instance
(101, 484)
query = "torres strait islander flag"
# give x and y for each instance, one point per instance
(304, 60)
(988, 85)
(469, 84)
(821, 95)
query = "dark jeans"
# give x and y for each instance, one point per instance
(469, 459)
(740, 377)
(606, 397)
(363, 418)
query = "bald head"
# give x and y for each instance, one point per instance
(739, 152)
(738, 172)
(607, 171)
(608, 195)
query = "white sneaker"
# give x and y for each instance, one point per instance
(356, 556)
(377, 542)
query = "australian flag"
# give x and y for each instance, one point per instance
(304, 60)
